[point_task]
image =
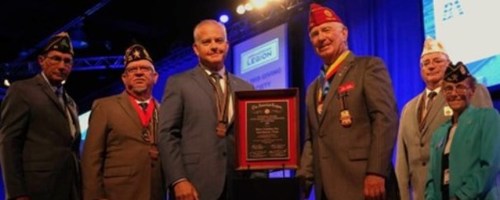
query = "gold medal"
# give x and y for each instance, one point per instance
(221, 129)
(345, 118)
(153, 152)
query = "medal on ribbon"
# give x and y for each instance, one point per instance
(221, 129)
(345, 116)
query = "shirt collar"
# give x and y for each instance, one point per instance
(145, 101)
(427, 91)
(54, 88)
(221, 72)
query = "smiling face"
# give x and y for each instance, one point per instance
(210, 44)
(458, 95)
(139, 78)
(329, 40)
(56, 66)
(432, 68)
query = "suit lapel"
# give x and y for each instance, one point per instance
(312, 105)
(126, 105)
(200, 77)
(73, 111)
(412, 121)
(417, 112)
(233, 83)
(45, 87)
(312, 98)
(434, 112)
(337, 79)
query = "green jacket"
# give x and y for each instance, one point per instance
(474, 157)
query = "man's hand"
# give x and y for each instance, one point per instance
(374, 188)
(184, 190)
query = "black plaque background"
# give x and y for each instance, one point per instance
(289, 96)
(267, 130)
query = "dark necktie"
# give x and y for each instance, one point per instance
(220, 94)
(144, 106)
(59, 93)
(425, 108)
(60, 96)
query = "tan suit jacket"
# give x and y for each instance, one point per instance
(115, 160)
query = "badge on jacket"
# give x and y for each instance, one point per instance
(447, 111)
(345, 115)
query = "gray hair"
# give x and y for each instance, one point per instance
(208, 22)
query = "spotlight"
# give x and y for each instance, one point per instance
(258, 3)
(224, 18)
(248, 7)
(240, 9)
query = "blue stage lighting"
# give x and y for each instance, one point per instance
(224, 18)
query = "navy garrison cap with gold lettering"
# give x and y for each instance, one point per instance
(136, 52)
(456, 73)
(60, 42)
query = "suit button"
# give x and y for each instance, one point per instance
(223, 153)
(421, 144)
(423, 163)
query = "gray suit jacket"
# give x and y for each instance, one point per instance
(413, 145)
(115, 160)
(189, 146)
(39, 156)
(340, 157)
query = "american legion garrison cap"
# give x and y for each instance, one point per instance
(456, 73)
(136, 52)
(431, 45)
(319, 14)
(60, 42)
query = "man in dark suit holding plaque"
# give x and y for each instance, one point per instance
(196, 121)
(351, 118)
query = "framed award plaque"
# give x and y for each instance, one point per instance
(267, 128)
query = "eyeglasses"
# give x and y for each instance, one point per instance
(459, 89)
(58, 59)
(144, 69)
